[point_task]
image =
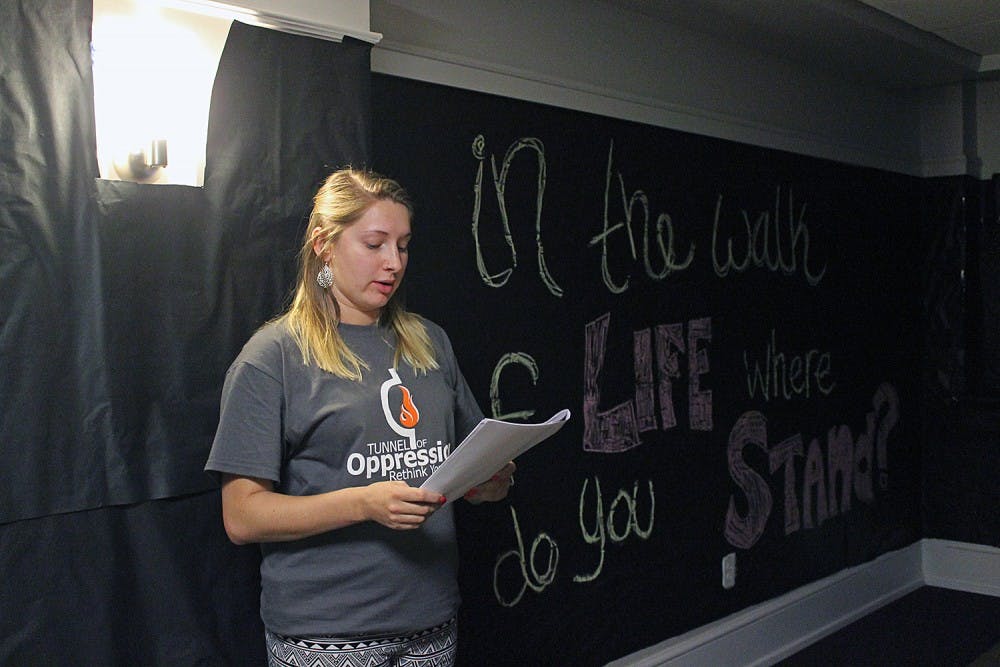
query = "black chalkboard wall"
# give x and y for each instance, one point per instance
(735, 329)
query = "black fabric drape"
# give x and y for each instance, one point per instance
(190, 273)
(161, 351)
(286, 112)
(124, 303)
(56, 414)
(156, 583)
(122, 306)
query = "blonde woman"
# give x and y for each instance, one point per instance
(331, 417)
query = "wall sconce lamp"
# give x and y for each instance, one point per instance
(142, 164)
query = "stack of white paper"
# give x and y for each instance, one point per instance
(486, 450)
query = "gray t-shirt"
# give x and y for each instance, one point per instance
(310, 431)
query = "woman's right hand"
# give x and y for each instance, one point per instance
(399, 506)
(253, 512)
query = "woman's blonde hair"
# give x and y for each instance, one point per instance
(314, 313)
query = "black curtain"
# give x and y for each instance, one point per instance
(155, 583)
(189, 273)
(122, 306)
(56, 417)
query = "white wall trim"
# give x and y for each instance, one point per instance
(325, 27)
(961, 566)
(446, 69)
(771, 631)
(957, 165)
(989, 63)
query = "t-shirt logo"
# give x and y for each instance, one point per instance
(409, 415)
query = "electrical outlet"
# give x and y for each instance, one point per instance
(729, 570)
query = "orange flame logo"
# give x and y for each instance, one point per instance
(408, 413)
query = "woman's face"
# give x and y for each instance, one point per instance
(368, 260)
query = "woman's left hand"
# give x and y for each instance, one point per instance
(496, 488)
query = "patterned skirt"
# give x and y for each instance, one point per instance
(434, 647)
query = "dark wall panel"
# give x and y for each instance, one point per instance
(736, 331)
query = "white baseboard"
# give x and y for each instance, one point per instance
(771, 631)
(961, 566)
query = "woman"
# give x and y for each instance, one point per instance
(331, 417)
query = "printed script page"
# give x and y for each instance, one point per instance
(486, 450)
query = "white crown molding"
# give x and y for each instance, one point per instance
(447, 69)
(990, 63)
(277, 21)
(956, 165)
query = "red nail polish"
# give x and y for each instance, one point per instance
(443, 500)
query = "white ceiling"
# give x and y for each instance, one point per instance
(971, 24)
(894, 43)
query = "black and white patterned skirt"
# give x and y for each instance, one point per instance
(434, 647)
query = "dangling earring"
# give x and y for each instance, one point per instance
(325, 277)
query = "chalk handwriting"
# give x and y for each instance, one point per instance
(752, 245)
(617, 428)
(744, 531)
(668, 256)
(776, 240)
(850, 465)
(506, 360)
(531, 576)
(608, 528)
(788, 375)
(500, 186)
(699, 400)
(536, 568)
(885, 398)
